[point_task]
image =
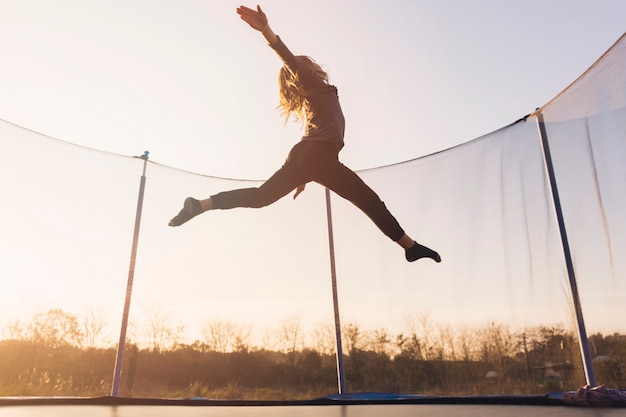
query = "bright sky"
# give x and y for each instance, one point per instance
(191, 83)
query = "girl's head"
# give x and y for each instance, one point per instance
(292, 94)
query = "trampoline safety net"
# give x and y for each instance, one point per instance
(237, 304)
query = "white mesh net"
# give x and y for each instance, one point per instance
(68, 215)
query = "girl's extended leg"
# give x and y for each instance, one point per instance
(321, 164)
(277, 186)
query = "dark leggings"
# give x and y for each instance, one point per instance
(314, 161)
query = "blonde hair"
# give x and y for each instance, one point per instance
(292, 95)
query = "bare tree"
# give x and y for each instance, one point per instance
(92, 324)
(241, 339)
(353, 337)
(324, 338)
(161, 332)
(226, 336)
(422, 331)
(447, 342)
(267, 339)
(466, 344)
(55, 328)
(497, 346)
(15, 330)
(409, 346)
(380, 340)
(432, 345)
(215, 335)
(290, 337)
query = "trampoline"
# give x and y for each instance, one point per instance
(364, 405)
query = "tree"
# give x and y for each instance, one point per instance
(92, 323)
(422, 331)
(324, 339)
(15, 330)
(226, 336)
(552, 344)
(290, 337)
(466, 346)
(497, 347)
(55, 328)
(162, 333)
(353, 337)
(409, 347)
(380, 341)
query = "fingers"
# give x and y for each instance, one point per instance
(247, 9)
(245, 12)
(255, 18)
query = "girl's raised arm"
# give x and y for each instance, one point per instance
(257, 21)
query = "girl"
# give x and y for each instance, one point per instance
(306, 95)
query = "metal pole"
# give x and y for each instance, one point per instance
(582, 333)
(341, 379)
(119, 360)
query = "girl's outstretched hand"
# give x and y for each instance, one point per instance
(255, 18)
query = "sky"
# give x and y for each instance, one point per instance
(191, 83)
(197, 88)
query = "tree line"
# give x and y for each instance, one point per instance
(56, 353)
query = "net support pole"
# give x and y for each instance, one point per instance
(341, 380)
(119, 359)
(580, 322)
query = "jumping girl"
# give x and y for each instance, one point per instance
(306, 94)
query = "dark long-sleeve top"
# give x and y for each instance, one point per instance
(325, 121)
